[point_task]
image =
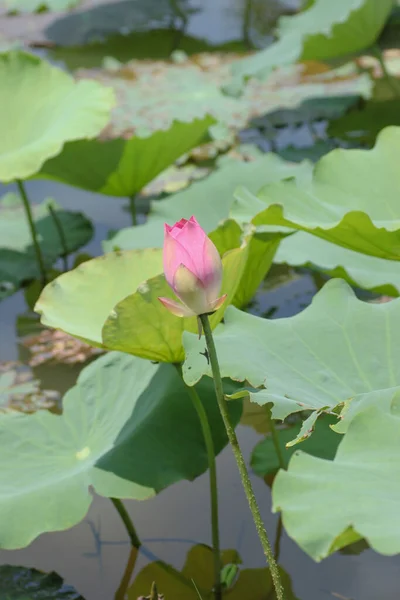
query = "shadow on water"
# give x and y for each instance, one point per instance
(95, 556)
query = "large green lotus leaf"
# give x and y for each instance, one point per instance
(363, 125)
(261, 251)
(79, 302)
(114, 434)
(352, 200)
(142, 326)
(23, 583)
(208, 200)
(375, 274)
(323, 443)
(122, 167)
(359, 490)
(323, 31)
(59, 110)
(17, 256)
(335, 349)
(198, 568)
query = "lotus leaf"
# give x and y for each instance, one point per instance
(23, 583)
(141, 325)
(17, 257)
(151, 94)
(351, 201)
(127, 314)
(198, 568)
(363, 125)
(323, 443)
(375, 274)
(208, 200)
(324, 30)
(114, 434)
(80, 301)
(123, 167)
(336, 349)
(59, 110)
(322, 500)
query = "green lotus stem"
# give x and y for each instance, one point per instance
(275, 441)
(209, 443)
(132, 208)
(248, 488)
(127, 521)
(121, 592)
(28, 212)
(61, 235)
(278, 537)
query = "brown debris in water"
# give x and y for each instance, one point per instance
(20, 392)
(53, 345)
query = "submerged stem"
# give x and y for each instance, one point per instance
(127, 521)
(61, 235)
(248, 488)
(32, 228)
(275, 441)
(209, 443)
(132, 208)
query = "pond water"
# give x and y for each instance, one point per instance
(93, 556)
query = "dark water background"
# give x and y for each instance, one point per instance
(92, 556)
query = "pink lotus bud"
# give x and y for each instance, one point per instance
(192, 268)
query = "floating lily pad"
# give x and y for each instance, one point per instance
(323, 30)
(351, 201)
(320, 358)
(23, 583)
(17, 256)
(152, 94)
(198, 568)
(123, 167)
(375, 274)
(59, 110)
(114, 434)
(322, 500)
(208, 200)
